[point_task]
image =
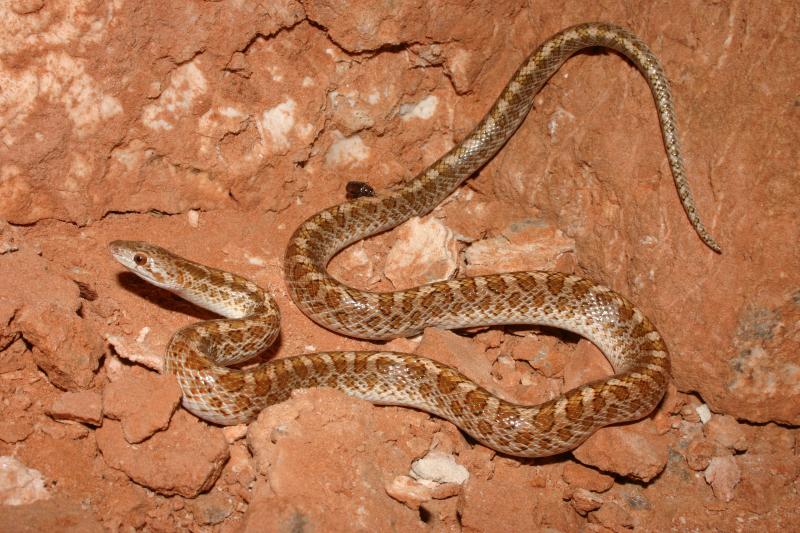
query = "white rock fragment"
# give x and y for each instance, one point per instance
(425, 251)
(424, 109)
(439, 467)
(193, 216)
(723, 475)
(277, 122)
(346, 151)
(19, 484)
(410, 491)
(704, 413)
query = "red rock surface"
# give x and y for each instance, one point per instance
(214, 129)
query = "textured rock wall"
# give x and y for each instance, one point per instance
(214, 128)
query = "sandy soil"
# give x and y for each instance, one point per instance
(215, 128)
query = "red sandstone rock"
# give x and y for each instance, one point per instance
(318, 453)
(49, 515)
(633, 450)
(586, 478)
(527, 245)
(459, 352)
(542, 352)
(13, 356)
(410, 491)
(15, 428)
(727, 432)
(700, 452)
(425, 251)
(186, 459)
(585, 501)
(65, 346)
(614, 517)
(723, 475)
(212, 508)
(85, 407)
(143, 401)
(481, 505)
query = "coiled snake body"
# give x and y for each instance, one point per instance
(199, 353)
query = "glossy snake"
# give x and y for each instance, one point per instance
(199, 354)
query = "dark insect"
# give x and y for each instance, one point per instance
(357, 189)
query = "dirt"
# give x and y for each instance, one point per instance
(214, 128)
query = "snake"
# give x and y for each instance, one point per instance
(208, 357)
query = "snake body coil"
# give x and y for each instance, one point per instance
(198, 354)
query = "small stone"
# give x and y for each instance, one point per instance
(613, 516)
(234, 433)
(239, 468)
(425, 251)
(580, 476)
(410, 491)
(725, 430)
(704, 413)
(439, 467)
(15, 430)
(212, 508)
(186, 459)
(26, 7)
(12, 358)
(700, 452)
(143, 401)
(633, 450)
(723, 475)
(585, 501)
(193, 218)
(85, 407)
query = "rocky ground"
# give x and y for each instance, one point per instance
(215, 128)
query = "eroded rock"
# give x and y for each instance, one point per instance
(186, 459)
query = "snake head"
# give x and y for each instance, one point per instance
(148, 261)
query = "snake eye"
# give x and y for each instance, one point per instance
(140, 259)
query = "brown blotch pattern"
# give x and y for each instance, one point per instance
(446, 382)
(524, 438)
(555, 283)
(319, 366)
(545, 418)
(193, 361)
(300, 368)
(262, 383)
(581, 287)
(456, 408)
(642, 328)
(360, 364)
(231, 381)
(340, 363)
(496, 284)
(620, 393)
(625, 311)
(574, 408)
(598, 402)
(243, 402)
(476, 401)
